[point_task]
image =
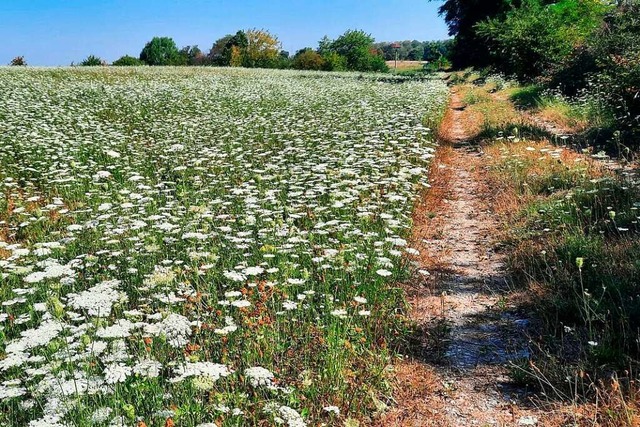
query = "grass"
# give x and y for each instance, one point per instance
(571, 232)
(406, 65)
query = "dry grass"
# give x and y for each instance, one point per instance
(616, 403)
(406, 65)
(469, 122)
(415, 386)
(427, 214)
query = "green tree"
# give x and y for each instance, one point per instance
(160, 51)
(334, 62)
(324, 45)
(357, 48)
(216, 53)
(192, 55)
(461, 17)
(233, 51)
(92, 61)
(127, 61)
(532, 38)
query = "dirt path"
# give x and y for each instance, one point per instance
(459, 377)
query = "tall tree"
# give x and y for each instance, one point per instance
(461, 17)
(216, 53)
(357, 48)
(262, 50)
(192, 55)
(160, 51)
(233, 51)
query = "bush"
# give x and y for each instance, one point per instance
(308, 59)
(127, 61)
(92, 61)
(616, 51)
(535, 36)
(18, 61)
(334, 62)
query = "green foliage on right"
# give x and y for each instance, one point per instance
(537, 35)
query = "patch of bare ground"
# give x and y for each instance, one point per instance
(468, 331)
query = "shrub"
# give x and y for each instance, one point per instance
(535, 36)
(616, 52)
(127, 61)
(18, 61)
(92, 61)
(333, 61)
(308, 59)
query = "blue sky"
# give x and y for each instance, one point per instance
(56, 32)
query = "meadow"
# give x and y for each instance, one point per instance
(204, 247)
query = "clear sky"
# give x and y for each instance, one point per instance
(56, 32)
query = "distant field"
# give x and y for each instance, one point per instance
(407, 65)
(199, 246)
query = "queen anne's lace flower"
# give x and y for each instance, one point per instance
(98, 300)
(259, 376)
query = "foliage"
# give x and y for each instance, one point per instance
(308, 59)
(92, 61)
(18, 61)
(615, 50)
(461, 16)
(333, 61)
(536, 35)
(191, 55)
(262, 50)
(127, 61)
(232, 53)
(160, 51)
(216, 54)
(357, 49)
(413, 50)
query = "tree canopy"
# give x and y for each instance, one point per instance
(160, 51)
(461, 17)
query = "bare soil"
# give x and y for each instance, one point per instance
(458, 374)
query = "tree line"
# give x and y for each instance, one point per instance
(256, 48)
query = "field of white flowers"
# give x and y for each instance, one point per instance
(203, 247)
